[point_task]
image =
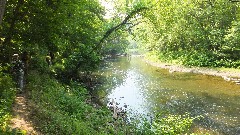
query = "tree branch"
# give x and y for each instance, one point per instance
(117, 27)
(111, 30)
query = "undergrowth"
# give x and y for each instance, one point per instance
(65, 109)
(195, 59)
(7, 96)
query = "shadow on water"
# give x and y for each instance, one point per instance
(149, 90)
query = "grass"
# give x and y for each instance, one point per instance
(65, 109)
(7, 96)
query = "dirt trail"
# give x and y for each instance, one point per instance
(21, 113)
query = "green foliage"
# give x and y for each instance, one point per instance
(165, 124)
(7, 96)
(82, 59)
(67, 28)
(199, 33)
(172, 124)
(198, 59)
(62, 109)
(116, 44)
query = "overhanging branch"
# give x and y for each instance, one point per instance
(117, 27)
(111, 30)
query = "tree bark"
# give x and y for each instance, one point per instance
(2, 9)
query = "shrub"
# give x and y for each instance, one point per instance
(7, 96)
(172, 124)
(62, 109)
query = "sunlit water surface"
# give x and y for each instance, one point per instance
(147, 90)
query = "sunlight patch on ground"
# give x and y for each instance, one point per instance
(20, 115)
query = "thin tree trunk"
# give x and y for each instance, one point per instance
(2, 9)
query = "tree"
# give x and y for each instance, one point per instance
(57, 26)
(191, 31)
(2, 9)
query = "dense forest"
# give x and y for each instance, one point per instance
(80, 34)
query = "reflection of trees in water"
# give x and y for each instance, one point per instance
(218, 115)
(221, 112)
(112, 73)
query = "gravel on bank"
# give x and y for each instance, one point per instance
(226, 74)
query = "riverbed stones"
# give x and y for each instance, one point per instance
(232, 79)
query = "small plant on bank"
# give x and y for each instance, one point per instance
(7, 96)
(67, 109)
(172, 124)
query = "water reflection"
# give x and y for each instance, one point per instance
(129, 93)
(147, 89)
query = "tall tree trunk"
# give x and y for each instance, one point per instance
(2, 9)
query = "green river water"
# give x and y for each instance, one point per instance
(146, 89)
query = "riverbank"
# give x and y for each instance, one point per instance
(228, 74)
(149, 90)
(60, 108)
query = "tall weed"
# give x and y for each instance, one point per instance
(7, 96)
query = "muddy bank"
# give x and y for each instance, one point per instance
(228, 75)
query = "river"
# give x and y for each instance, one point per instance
(147, 90)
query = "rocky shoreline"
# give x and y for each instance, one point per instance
(227, 75)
